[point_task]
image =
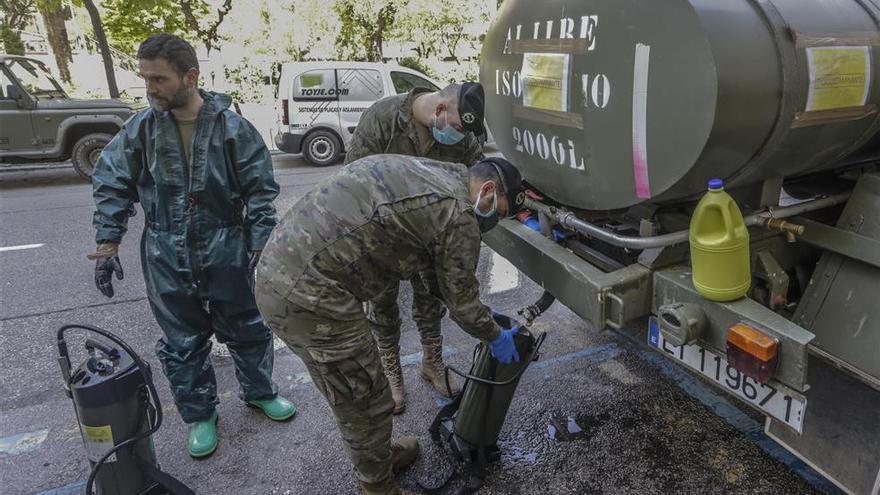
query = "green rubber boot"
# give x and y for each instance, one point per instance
(278, 409)
(203, 437)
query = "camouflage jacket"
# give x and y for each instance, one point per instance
(380, 220)
(388, 127)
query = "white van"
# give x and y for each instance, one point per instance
(319, 104)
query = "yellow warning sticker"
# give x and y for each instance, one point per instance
(840, 77)
(545, 81)
(98, 440)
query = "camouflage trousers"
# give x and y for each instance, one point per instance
(343, 361)
(383, 313)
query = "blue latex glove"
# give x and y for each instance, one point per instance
(503, 349)
(534, 224)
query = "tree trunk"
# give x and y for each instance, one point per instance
(105, 47)
(58, 40)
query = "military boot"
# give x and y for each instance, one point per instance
(433, 370)
(394, 374)
(404, 452)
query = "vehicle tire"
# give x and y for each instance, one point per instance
(86, 152)
(322, 148)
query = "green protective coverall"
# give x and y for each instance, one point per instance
(201, 220)
(389, 127)
(382, 219)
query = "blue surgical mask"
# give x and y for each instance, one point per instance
(447, 134)
(489, 220)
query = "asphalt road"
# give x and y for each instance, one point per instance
(598, 413)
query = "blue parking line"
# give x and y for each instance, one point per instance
(71, 489)
(750, 428)
(596, 354)
(416, 358)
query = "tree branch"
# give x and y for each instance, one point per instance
(208, 34)
(17, 13)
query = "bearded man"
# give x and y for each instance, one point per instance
(204, 178)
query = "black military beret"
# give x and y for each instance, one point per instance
(512, 181)
(471, 107)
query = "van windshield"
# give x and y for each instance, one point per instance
(404, 82)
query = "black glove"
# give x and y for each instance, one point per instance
(104, 268)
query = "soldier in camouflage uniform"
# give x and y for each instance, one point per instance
(380, 220)
(440, 125)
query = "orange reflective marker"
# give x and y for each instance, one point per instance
(752, 352)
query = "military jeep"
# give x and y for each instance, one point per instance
(40, 123)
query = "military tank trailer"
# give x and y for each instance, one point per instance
(618, 113)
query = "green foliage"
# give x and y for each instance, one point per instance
(195, 12)
(464, 71)
(418, 64)
(439, 30)
(11, 39)
(246, 81)
(364, 26)
(129, 22)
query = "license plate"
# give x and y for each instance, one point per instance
(771, 400)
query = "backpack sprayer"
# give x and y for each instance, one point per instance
(472, 422)
(118, 410)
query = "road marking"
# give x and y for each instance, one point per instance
(20, 248)
(416, 358)
(21, 443)
(71, 489)
(596, 354)
(503, 276)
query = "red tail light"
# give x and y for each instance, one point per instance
(285, 113)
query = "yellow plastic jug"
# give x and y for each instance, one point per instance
(719, 243)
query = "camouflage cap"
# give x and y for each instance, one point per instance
(511, 180)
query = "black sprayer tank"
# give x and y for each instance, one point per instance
(605, 104)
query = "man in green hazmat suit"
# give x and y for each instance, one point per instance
(382, 219)
(204, 179)
(441, 125)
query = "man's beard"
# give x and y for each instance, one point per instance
(177, 100)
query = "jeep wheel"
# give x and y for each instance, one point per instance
(322, 148)
(86, 152)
